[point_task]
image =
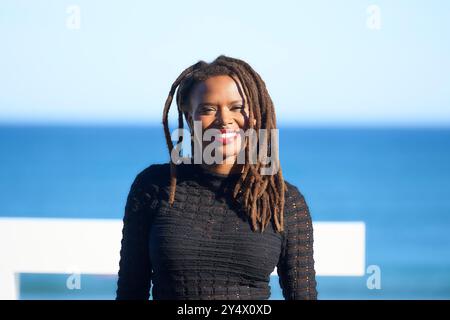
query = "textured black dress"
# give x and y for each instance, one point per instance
(203, 246)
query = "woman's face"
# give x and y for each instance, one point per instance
(217, 104)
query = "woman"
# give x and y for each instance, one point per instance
(216, 230)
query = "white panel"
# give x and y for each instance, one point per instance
(93, 247)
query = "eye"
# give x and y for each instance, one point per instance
(206, 109)
(237, 107)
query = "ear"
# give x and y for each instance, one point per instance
(254, 122)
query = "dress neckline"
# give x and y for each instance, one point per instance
(213, 180)
(201, 169)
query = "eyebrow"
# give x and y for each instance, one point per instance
(213, 104)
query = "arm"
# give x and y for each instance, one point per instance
(296, 264)
(135, 266)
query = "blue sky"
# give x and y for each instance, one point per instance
(320, 61)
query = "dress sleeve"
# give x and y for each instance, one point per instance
(135, 267)
(295, 267)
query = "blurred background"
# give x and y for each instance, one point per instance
(361, 90)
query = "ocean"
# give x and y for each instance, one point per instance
(396, 180)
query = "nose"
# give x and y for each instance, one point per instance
(224, 117)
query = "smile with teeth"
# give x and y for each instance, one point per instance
(226, 136)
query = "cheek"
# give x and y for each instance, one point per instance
(205, 120)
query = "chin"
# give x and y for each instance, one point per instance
(225, 151)
(229, 151)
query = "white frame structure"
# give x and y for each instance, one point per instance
(92, 246)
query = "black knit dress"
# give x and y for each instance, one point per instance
(203, 246)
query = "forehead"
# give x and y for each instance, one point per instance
(216, 89)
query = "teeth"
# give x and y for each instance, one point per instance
(228, 135)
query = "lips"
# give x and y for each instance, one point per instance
(226, 136)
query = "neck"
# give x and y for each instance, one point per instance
(224, 169)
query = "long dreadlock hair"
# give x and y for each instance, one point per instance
(262, 196)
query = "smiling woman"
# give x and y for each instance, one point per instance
(217, 104)
(217, 231)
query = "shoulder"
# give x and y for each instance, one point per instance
(296, 211)
(155, 171)
(155, 175)
(293, 193)
(294, 200)
(145, 187)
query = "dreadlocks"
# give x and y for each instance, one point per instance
(262, 196)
